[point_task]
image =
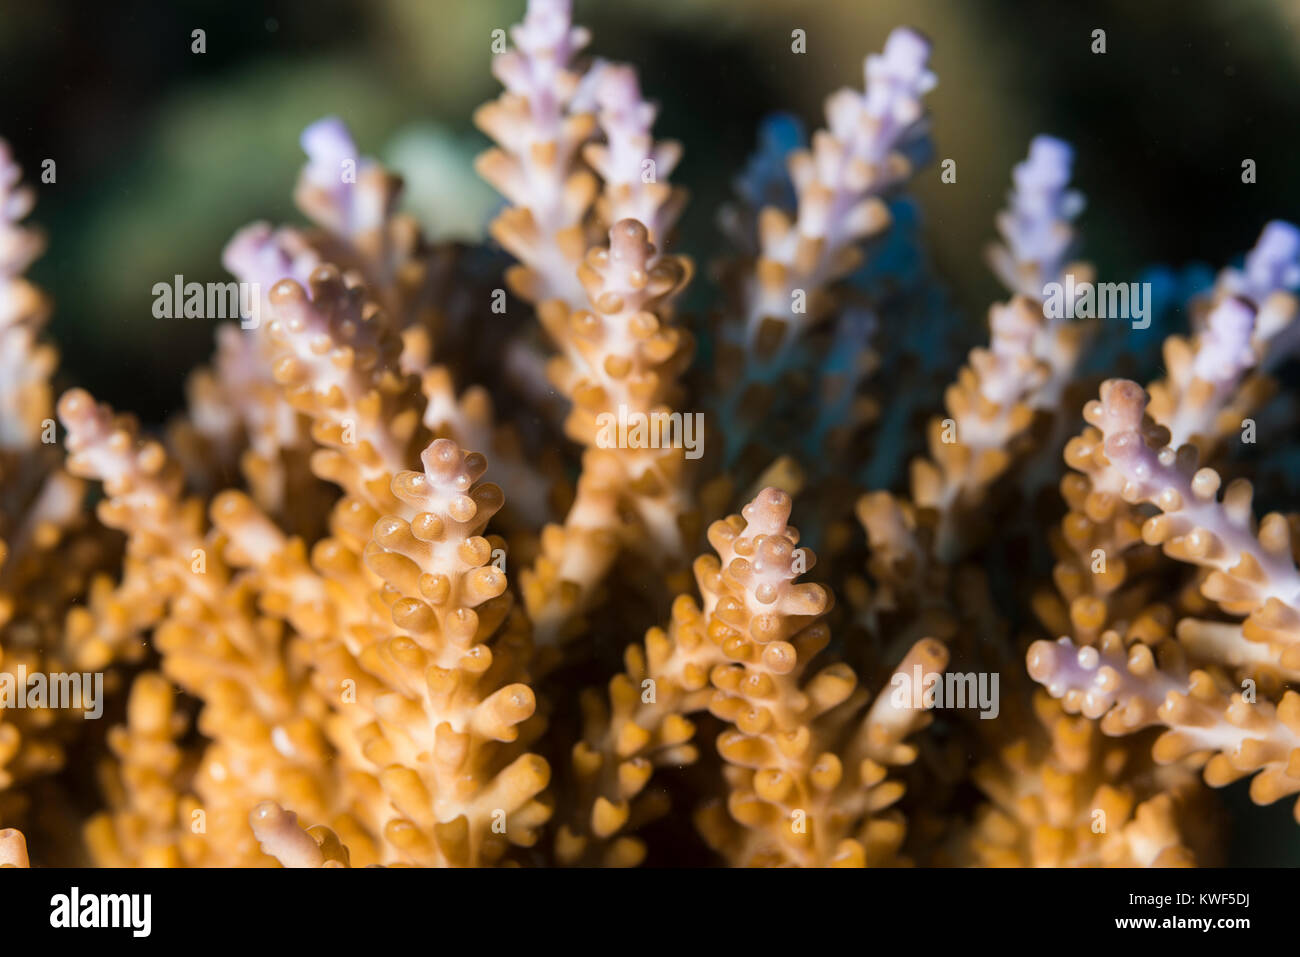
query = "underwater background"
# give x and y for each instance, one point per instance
(162, 153)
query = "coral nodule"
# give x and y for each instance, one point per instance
(351, 608)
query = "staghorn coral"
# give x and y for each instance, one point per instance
(1187, 684)
(743, 655)
(1073, 798)
(346, 601)
(13, 849)
(144, 782)
(58, 608)
(454, 699)
(787, 288)
(280, 836)
(805, 771)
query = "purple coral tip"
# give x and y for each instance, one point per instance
(328, 141)
(906, 52)
(1274, 263)
(1050, 160)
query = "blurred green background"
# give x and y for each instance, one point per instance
(162, 153)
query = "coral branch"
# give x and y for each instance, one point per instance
(1230, 735)
(1253, 573)
(149, 824)
(852, 162)
(807, 783)
(540, 132)
(25, 363)
(620, 361)
(13, 848)
(280, 836)
(1037, 228)
(635, 168)
(259, 708)
(450, 727)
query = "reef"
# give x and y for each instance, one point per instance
(469, 556)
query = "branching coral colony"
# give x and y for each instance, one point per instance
(326, 639)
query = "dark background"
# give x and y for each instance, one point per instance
(162, 153)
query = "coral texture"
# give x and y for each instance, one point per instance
(363, 602)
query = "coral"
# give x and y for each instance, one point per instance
(13, 849)
(1187, 684)
(148, 823)
(280, 836)
(1076, 799)
(787, 288)
(58, 608)
(450, 701)
(343, 605)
